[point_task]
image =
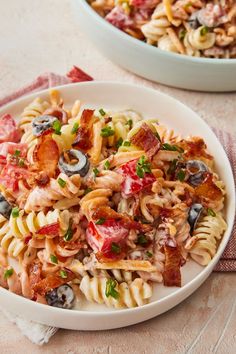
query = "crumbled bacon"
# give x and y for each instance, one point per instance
(52, 281)
(195, 148)
(83, 140)
(208, 189)
(46, 154)
(41, 179)
(173, 262)
(147, 140)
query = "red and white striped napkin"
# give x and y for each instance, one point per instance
(40, 334)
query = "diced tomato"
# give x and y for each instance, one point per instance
(11, 148)
(132, 183)
(8, 129)
(102, 237)
(51, 229)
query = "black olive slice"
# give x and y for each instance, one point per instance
(62, 297)
(42, 123)
(5, 207)
(74, 162)
(196, 170)
(193, 215)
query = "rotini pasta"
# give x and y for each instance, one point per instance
(102, 204)
(194, 28)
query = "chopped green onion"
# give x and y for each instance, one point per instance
(57, 127)
(102, 112)
(110, 289)
(8, 273)
(158, 136)
(17, 153)
(181, 175)
(142, 239)
(182, 34)
(126, 143)
(143, 166)
(15, 212)
(96, 172)
(61, 182)
(169, 147)
(107, 131)
(100, 221)
(21, 163)
(69, 232)
(119, 142)
(172, 167)
(211, 212)
(204, 30)
(115, 248)
(63, 274)
(139, 171)
(75, 128)
(107, 165)
(149, 254)
(53, 259)
(129, 123)
(87, 190)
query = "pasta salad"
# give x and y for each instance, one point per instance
(197, 28)
(98, 205)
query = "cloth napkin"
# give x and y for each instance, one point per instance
(38, 333)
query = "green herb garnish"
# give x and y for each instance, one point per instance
(17, 153)
(169, 147)
(149, 254)
(211, 212)
(119, 142)
(8, 273)
(63, 274)
(87, 190)
(15, 212)
(100, 221)
(21, 163)
(57, 127)
(107, 165)
(96, 172)
(143, 166)
(181, 175)
(69, 232)
(110, 289)
(129, 123)
(102, 112)
(142, 239)
(107, 131)
(61, 182)
(115, 248)
(182, 34)
(75, 128)
(127, 143)
(204, 30)
(53, 259)
(158, 136)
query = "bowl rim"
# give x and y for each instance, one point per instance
(180, 291)
(149, 48)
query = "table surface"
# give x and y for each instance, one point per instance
(38, 36)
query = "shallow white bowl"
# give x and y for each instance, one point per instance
(184, 121)
(152, 63)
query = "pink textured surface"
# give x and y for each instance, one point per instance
(44, 35)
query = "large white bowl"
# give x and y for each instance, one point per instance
(175, 115)
(152, 63)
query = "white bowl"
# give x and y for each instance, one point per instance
(152, 63)
(175, 115)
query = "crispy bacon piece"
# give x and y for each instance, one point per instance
(173, 262)
(195, 149)
(35, 273)
(208, 189)
(59, 113)
(52, 281)
(41, 179)
(107, 213)
(46, 154)
(51, 229)
(146, 139)
(83, 140)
